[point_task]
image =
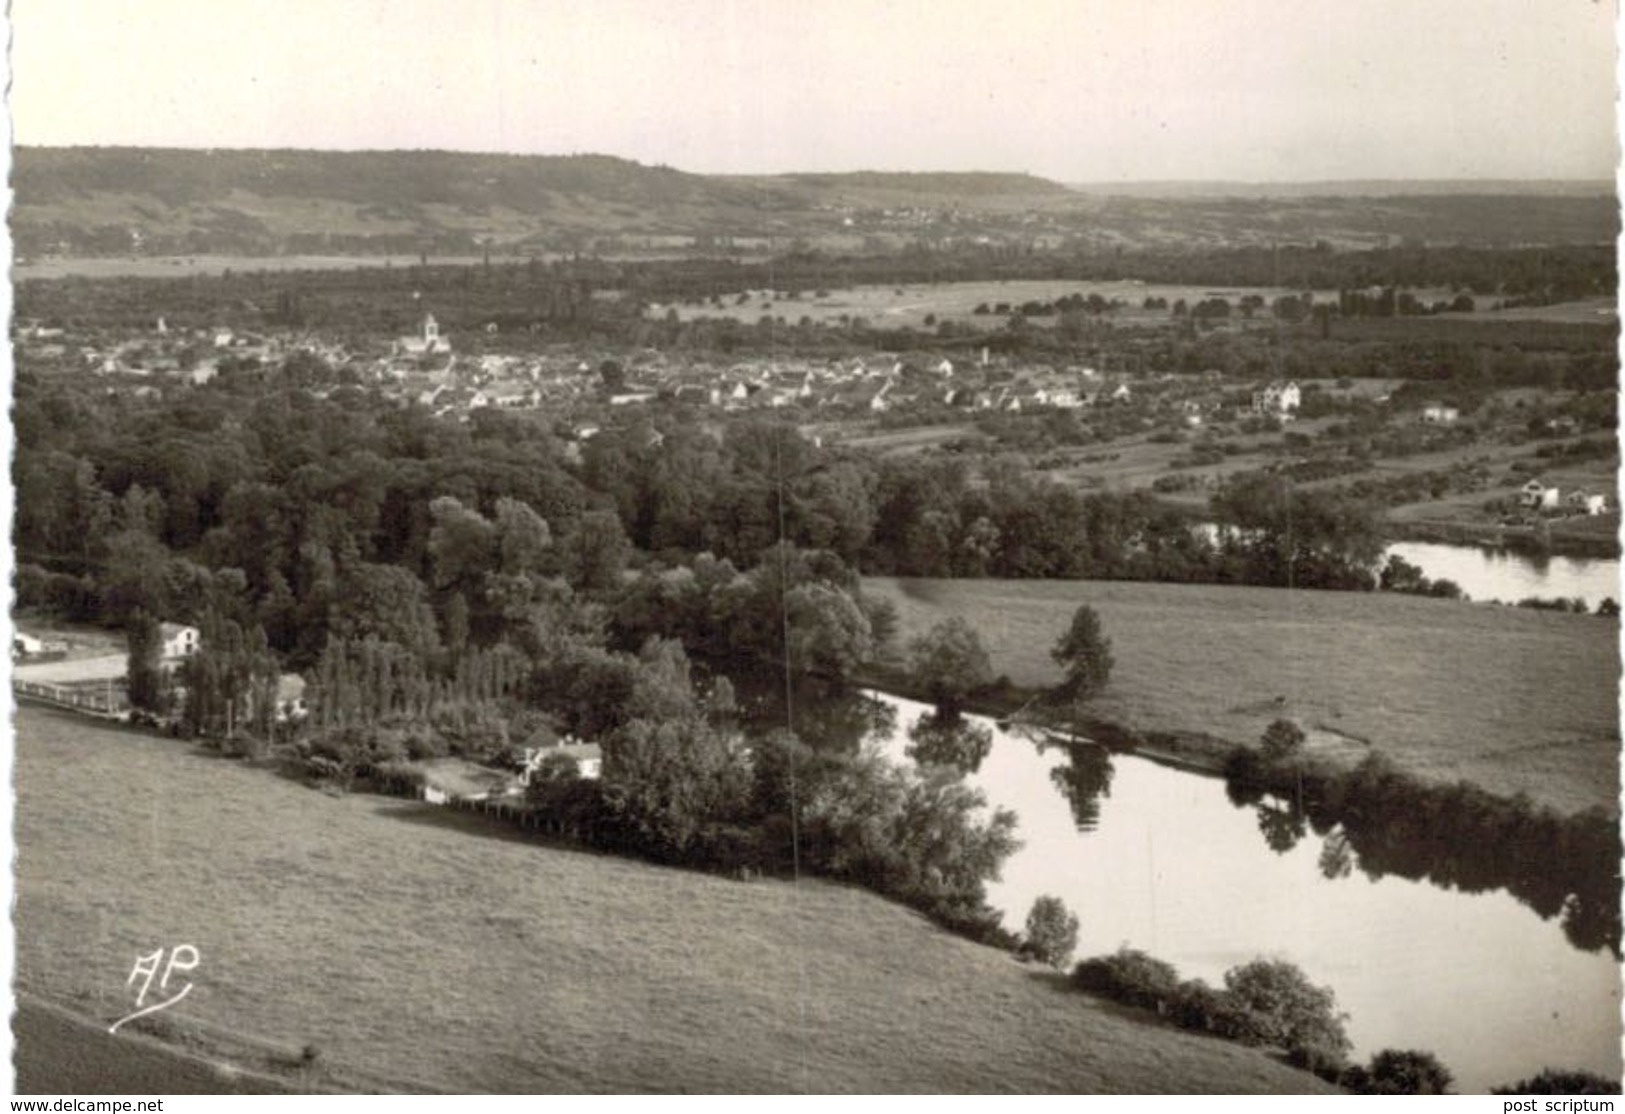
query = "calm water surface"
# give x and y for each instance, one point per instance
(1488, 574)
(1503, 575)
(1172, 867)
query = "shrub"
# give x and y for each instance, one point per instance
(399, 779)
(1178, 481)
(1537, 603)
(1052, 931)
(319, 768)
(1553, 1081)
(1284, 1009)
(343, 753)
(1282, 740)
(1196, 1005)
(421, 743)
(1396, 1072)
(1129, 976)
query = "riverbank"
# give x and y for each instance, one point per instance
(1207, 878)
(1014, 705)
(1585, 538)
(1514, 701)
(357, 924)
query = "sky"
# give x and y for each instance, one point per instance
(1075, 90)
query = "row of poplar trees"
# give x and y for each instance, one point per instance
(365, 681)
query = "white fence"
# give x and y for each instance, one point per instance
(93, 699)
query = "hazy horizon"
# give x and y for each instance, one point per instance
(1076, 91)
(1604, 181)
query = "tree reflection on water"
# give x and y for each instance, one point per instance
(1282, 824)
(1453, 836)
(1083, 779)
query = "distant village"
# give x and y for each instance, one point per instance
(583, 393)
(427, 368)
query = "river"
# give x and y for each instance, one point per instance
(1163, 861)
(1498, 574)
(1503, 575)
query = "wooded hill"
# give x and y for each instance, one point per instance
(116, 201)
(88, 201)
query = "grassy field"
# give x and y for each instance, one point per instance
(1136, 462)
(1586, 311)
(1516, 701)
(909, 305)
(434, 950)
(57, 1051)
(82, 641)
(913, 439)
(178, 266)
(896, 306)
(109, 667)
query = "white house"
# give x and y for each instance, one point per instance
(179, 641)
(1537, 496)
(24, 645)
(1586, 502)
(290, 698)
(1277, 398)
(588, 758)
(1440, 415)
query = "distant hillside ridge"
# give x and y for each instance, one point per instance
(114, 200)
(1353, 187)
(968, 182)
(45, 174)
(128, 202)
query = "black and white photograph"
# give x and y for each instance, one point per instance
(668, 547)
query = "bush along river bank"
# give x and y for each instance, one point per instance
(1410, 898)
(1455, 835)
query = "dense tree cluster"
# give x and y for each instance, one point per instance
(463, 589)
(934, 521)
(230, 684)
